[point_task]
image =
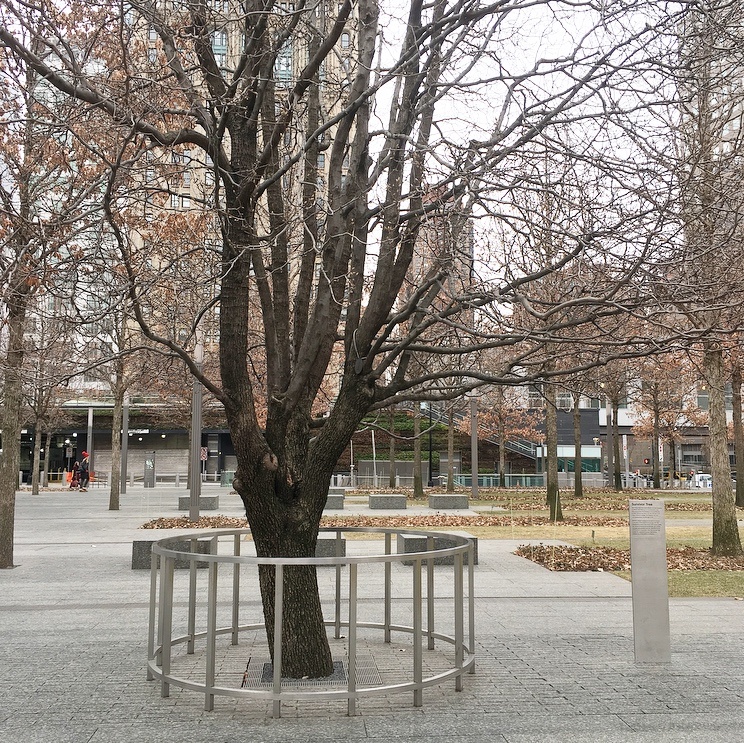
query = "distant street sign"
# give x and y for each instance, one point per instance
(204, 455)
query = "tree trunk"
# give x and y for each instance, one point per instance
(47, 450)
(36, 462)
(392, 479)
(578, 467)
(10, 424)
(736, 379)
(116, 433)
(502, 456)
(726, 539)
(656, 439)
(617, 476)
(451, 450)
(551, 440)
(418, 485)
(283, 530)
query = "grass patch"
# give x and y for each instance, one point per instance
(701, 583)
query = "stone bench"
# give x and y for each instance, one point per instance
(326, 547)
(142, 553)
(448, 501)
(206, 502)
(408, 543)
(334, 502)
(390, 501)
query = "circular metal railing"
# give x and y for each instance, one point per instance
(417, 570)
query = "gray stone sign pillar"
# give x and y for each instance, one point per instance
(649, 578)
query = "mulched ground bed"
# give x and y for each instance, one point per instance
(608, 558)
(225, 522)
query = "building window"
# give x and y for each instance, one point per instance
(345, 40)
(283, 64)
(564, 401)
(534, 397)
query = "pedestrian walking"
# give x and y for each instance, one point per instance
(75, 476)
(84, 472)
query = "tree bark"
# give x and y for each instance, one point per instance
(282, 530)
(47, 449)
(10, 424)
(502, 454)
(116, 433)
(736, 380)
(418, 484)
(656, 439)
(726, 540)
(451, 450)
(551, 439)
(578, 484)
(36, 462)
(617, 477)
(391, 478)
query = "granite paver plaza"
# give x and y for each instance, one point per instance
(554, 652)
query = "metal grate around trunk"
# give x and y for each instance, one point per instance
(259, 673)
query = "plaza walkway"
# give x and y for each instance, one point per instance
(554, 652)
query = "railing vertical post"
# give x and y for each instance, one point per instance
(154, 563)
(278, 610)
(192, 600)
(211, 631)
(388, 586)
(471, 604)
(430, 594)
(459, 618)
(236, 591)
(352, 680)
(337, 611)
(418, 697)
(166, 600)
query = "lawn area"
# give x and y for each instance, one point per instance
(699, 583)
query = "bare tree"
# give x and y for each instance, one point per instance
(46, 210)
(321, 198)
(708, 289)
(664, 403)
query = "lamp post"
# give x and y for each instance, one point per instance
(196, 432)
